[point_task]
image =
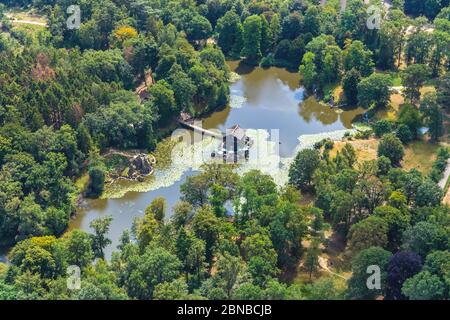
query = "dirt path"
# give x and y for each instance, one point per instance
(443, 182)
(13, 19)
(112, 151)
(447, 198)
(330, 257)
(444, 179)
(323, 264)
(29, 22)
(127, 154)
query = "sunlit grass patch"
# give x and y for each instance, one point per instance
(330, 91)
(427, 89)
(365, 149)
(82, 182)
(234, 77)
(392, 110)
(396, 80)
(25, 15)
(338, 93)
(27, 33)
(420, 155)
(447, 197)
(30, 28)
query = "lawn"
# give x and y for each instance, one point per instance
(332, 265)
(30, 28)
(391, 112)
(418, 154)
(365, 149)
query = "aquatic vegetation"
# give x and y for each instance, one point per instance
(174, 159)
(237, 101)
(265, 157)
(234, 77)
(361, 126)
(163, 153)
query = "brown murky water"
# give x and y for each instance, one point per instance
(273, 99)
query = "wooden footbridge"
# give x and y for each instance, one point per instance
(186, 121)
(235, 142)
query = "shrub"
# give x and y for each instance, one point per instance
(382, 127)
(302, 169)
(267, 62)
(439, 164)
(404, 134)
(391, 147)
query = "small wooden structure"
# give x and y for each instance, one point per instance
(235, 142)
(235, 145)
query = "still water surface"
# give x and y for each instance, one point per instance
(262, 99)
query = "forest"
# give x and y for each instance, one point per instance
(69, 95)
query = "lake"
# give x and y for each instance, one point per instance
(261, 99)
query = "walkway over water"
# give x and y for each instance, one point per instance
(191, 124)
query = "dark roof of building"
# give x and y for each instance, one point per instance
(237, 132)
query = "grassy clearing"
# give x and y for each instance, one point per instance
(338, 94)
(339, 284)
(25, 15)
(396, 80)
(29, 28)
(420, 155)
(330, 91)
(307, 198)
(392, 111)
(302, 276)
(394, 75)
(25, 30)
(332, 260)
(427, 89)
(365, 149)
